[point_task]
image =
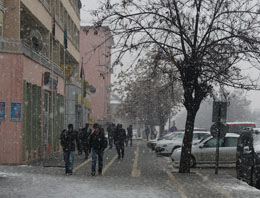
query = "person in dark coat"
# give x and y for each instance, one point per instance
(119, 140)
(84, 139)
(130, 134)
(97, 144)
(68, 140)
(110, 133)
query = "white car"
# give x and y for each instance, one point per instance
(166, 147)
(152, 143)
(204, 152)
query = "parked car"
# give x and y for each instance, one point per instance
(204, 152)
(166, 147)
(248, 157)
(152, 143)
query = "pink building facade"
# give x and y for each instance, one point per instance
(32, 85)
(16, 71)
(95, 48)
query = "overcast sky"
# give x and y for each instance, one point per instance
(89, 5)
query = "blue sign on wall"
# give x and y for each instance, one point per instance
(2, 110)
(16, 111)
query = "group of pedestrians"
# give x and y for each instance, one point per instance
(91, 139)
(88, 140)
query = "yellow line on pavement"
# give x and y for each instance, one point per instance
(177, 184)
(108, 165)
(83, 164)
(136, 172)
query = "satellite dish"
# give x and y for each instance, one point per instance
(36, 40)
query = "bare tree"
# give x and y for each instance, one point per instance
(205, 40)
(149, 94)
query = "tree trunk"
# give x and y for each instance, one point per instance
(161, 130)
(187, 142)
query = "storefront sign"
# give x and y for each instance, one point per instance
(16, 111)
(2, 110)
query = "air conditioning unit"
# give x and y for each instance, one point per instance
(36, 40)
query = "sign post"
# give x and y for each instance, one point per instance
(218, 129)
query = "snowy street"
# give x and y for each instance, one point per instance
(140, 174)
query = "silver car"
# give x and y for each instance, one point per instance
(204, 152)
(166, 147)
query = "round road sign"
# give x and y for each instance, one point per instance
(222, 130)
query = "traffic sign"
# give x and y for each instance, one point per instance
(218, 127)
(219, 113)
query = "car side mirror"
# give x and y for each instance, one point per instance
(246, 150)
(201, 146)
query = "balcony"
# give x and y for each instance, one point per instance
(20, 47)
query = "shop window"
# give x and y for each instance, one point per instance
(1, 23)
(1, 30)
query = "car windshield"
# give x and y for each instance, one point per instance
(203, 138)
(165, 136)
(175, 136)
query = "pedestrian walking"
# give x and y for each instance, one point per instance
(84, 139)
(147, 132)
(110, 133)
(68, 140)
(119, 140)
(130, 134)
(97, 144)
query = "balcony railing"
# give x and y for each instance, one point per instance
(15, 46)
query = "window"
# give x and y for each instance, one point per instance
(65, 19)
(230, 142)
(213, 142)
(1, 30)
(1, 23)
(57, 8)
(61, 14)
(195, 136)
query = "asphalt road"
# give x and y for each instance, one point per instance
(140, 174)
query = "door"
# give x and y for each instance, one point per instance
(229, 148)
(207, 152)
(46, 121)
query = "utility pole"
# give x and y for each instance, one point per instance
(65, 43)
(52, 75)
(65, 105)
(82, 93)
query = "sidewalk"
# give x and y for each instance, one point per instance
(56, 160)
(205, 183)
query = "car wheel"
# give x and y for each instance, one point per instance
(175, 148)
(192, 161)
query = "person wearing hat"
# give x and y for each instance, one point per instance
(97, 144)
(68, 140)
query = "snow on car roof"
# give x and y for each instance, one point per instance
(201, 131)
(232, 135)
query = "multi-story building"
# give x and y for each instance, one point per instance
(37, 38)
(95, 48)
